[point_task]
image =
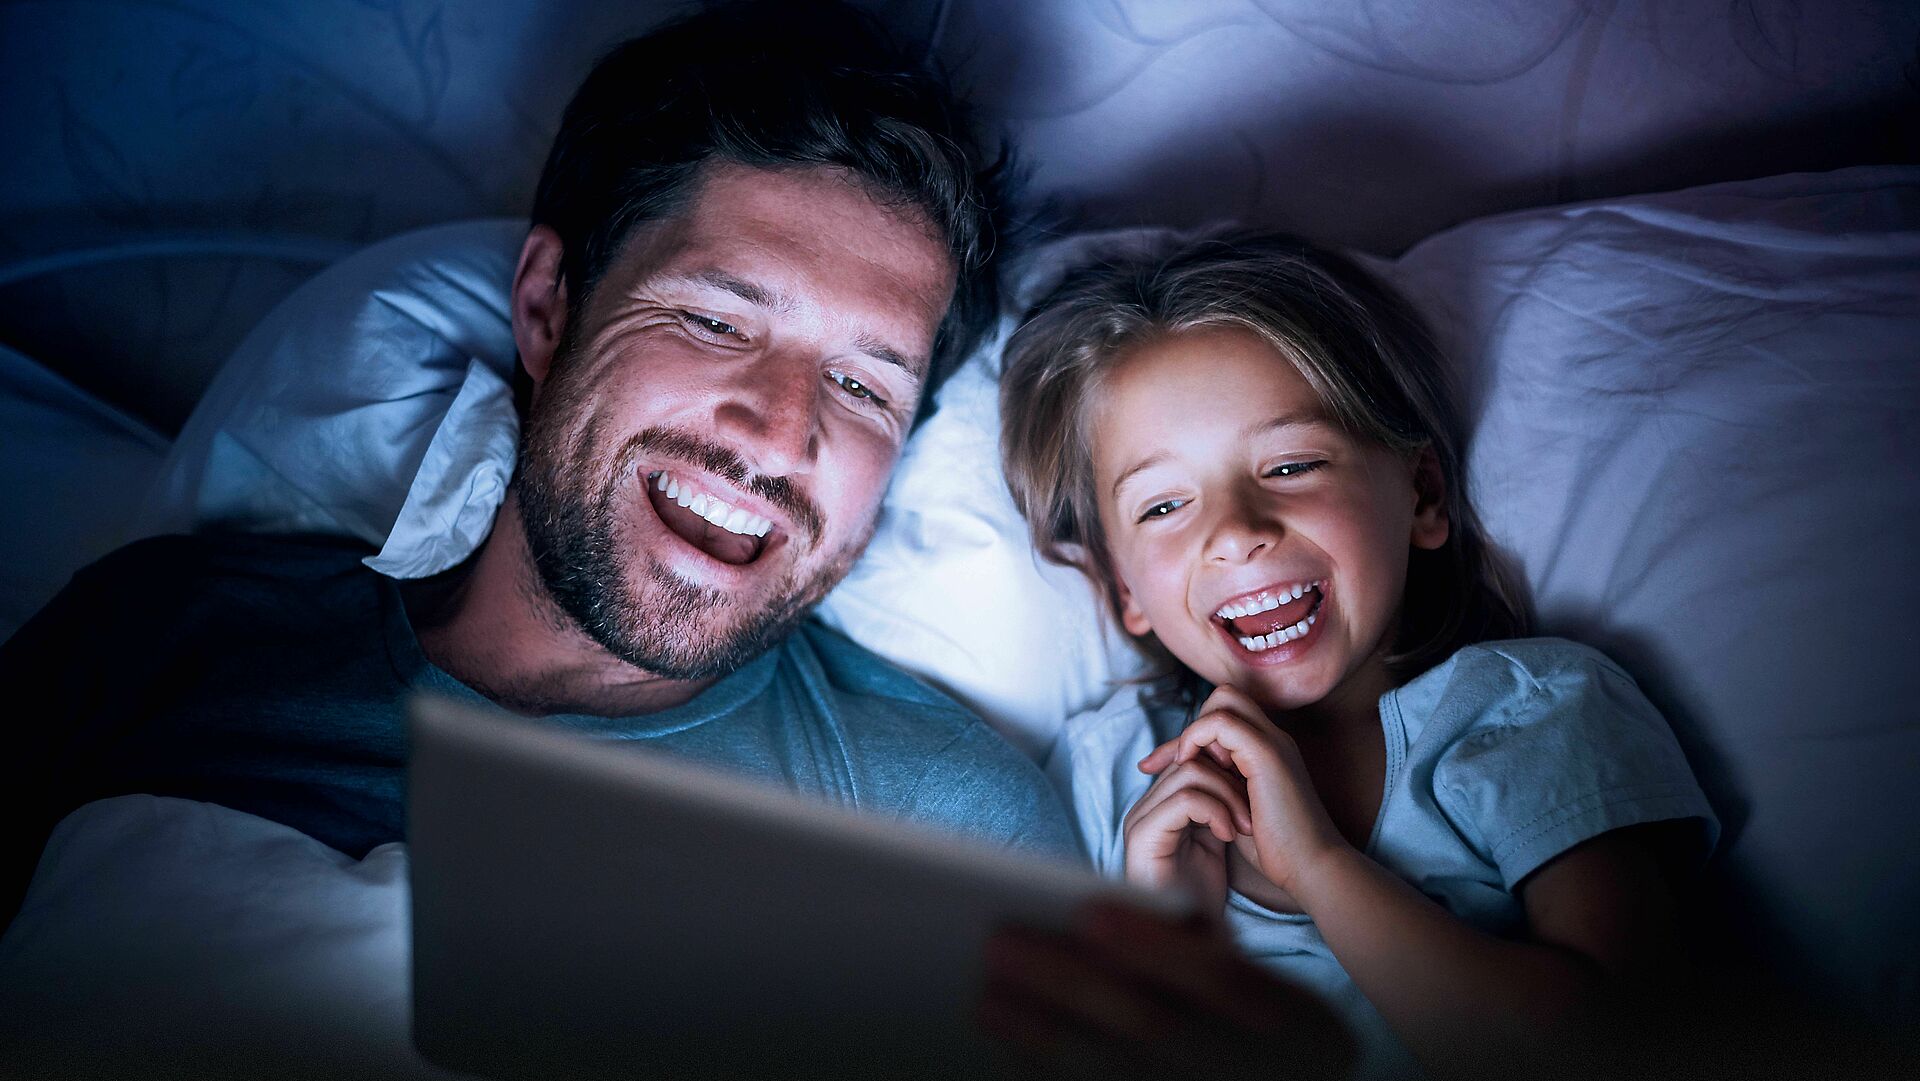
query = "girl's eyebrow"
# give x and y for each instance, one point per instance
(1306, 418)
(1309, 418)
(1146, 463)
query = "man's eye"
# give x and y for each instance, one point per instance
(855, 387)
(709, 325)
(1294, 469)
(1162, 509)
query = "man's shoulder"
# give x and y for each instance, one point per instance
(857, 672)
(929, 757)
(886, 711)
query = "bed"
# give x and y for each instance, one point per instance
(1675, 249)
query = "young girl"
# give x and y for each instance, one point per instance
(1459, 836)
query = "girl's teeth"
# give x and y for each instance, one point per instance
(1283, 635)
(1266, 602)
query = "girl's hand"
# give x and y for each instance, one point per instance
(1291, 829)
(1177, 832)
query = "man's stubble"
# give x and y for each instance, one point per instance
(621, 596)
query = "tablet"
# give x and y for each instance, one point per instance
(582, 908)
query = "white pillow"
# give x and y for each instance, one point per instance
(1696, 424)
(373, 402)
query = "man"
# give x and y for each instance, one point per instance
(759, 242)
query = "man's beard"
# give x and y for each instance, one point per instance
(571, 505)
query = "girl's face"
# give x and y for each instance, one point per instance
(1261, 543)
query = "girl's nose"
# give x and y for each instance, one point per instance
(1241, 532)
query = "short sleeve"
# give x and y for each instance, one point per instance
(1562, 747)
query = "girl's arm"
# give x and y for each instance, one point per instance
(1599, 916)
(1461, 999)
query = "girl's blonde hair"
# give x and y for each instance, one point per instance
(1356, 343)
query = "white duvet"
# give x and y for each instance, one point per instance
(166, 937)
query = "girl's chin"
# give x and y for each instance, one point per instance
(1276, 690)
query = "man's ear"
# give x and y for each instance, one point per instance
(1131, 617)
(539, 302)
(1431, 527)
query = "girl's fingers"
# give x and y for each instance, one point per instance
(1232, 698)
(1227, 787)
(1161, 827)
(1224, 783)
(1248, 750)
(1223, 699)
(1159, 758)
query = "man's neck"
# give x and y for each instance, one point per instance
(497, 630)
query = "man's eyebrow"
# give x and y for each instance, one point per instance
(880, 350)
(760, 296)
(752, 292)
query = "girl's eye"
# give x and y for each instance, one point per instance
(1162, 509)
(710, 325)
(1294, 469)
(856, 388)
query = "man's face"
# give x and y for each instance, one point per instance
(706, 455)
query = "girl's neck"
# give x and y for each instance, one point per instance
(1353, 705)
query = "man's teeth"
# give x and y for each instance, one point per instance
(720, 513)
(1284, 634)
(1267, 602)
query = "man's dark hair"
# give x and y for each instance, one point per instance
(773, 85)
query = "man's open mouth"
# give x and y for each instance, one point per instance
(723, 531)
(1273, 616)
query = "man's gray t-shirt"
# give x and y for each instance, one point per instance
(271, 676)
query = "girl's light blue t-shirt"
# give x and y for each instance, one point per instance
(1499, 758)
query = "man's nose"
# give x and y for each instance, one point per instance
(772, 413)
(1241, 529)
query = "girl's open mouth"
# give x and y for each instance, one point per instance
(1274, 617)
